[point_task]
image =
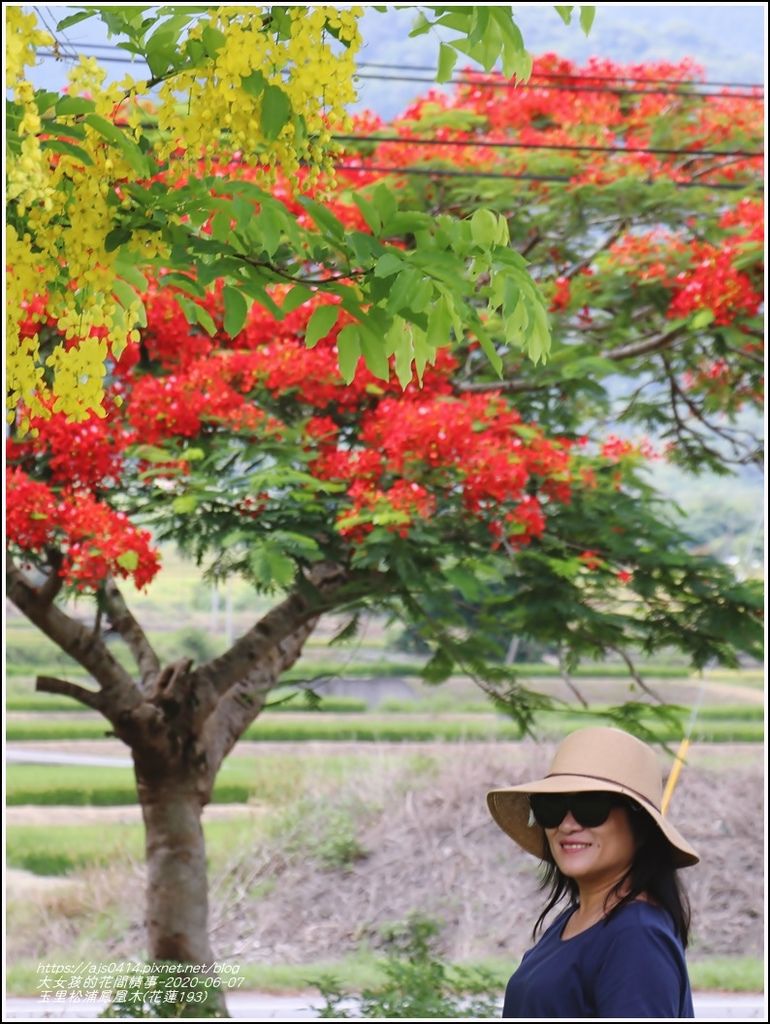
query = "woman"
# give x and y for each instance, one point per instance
(617, 949)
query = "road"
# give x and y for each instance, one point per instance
(258, 1006)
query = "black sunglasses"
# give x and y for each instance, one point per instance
(588, 809)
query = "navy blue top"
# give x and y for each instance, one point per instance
(631, 965)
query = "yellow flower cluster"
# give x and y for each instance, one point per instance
(222, 108)
(56, 248)
(21, 37)
(272, 90)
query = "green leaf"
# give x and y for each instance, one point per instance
(484, 229)
(254, 83)
(386, 204)
(438, 668)
(369, 212)
(298, 296)
(349, 351)
(320, 323)
(565, 13)
(439, 324)
(421, 25)
(125, 294)
(204, 318)
(388, 264)
(60, 146)
(587, 15)
(184, 283)
(373, 351)
(447, 58)
(213, 40)
(323, 218)
(120, 140)
(184, 503)
(270, 566)
(74, 105)
(268, 228)
(702, 319)
(236, 310)
(276, 111)
(74, 19)
(128, 560)
(400, 344)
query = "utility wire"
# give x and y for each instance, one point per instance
(488, 144)
(535, 74)
(482, 84)
(435, 172)
(557, 147)
(618, 91)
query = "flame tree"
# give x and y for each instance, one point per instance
(419, 488)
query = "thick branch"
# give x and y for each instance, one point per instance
(50, 684)
(513, 386)
(120, 691)
(280, 622)
(243, 702)
(48, 591)
(124, 622)
(639, 348)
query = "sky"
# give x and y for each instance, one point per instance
(728, 40)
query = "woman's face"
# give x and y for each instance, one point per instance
(599, 855)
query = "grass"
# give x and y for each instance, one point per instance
(363, 969)
(64, 849)
(746, 727)
(241, 779)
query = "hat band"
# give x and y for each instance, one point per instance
(600, 778)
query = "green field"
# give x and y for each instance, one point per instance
(744, 725)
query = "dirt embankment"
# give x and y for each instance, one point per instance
(412, 833)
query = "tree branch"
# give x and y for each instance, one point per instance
(222, 672)
(50, 684)
(639, 348)
(635, 674)
(120, 691)
(118, 613)
(611, 238)
(49, 590)
(242, 703)
(514, 385)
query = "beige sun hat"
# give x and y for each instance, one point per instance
(601, 759)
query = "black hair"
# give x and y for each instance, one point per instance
(652, 873)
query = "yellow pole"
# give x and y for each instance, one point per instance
(674, 776)
(684, 746)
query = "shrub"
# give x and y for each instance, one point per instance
(417, 984)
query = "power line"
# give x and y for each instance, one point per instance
(579, 77)
(563, 179)
(486, 84)
(563, 88)
(535, 74)
(489, 144)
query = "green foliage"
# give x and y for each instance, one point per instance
(328, 833)
(418, 985)
(169, 989)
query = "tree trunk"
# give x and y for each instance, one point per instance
(177, 885)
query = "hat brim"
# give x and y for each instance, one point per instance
(510, 809)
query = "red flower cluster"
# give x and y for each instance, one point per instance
(212, 391)
(84, 455)
(714, 283)
(95, 539)
(467, 447)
